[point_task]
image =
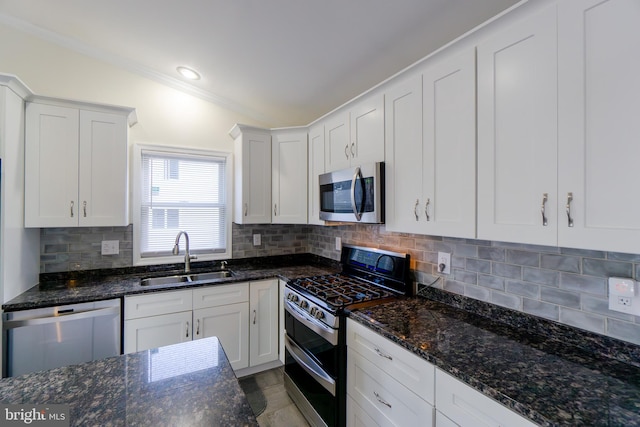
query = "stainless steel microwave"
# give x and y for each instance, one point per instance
(353, 195)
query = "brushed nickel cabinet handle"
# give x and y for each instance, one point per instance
(415, 209)
(381, 400)
(545, 197)
(346, 151)
(84, 208)
(246, 209)
(381, 354)
(72, 209)
(426, 209)
(198, 327)
(353, 153)
(275, 209)
(569, 200)
(187, 329)
(255, 315)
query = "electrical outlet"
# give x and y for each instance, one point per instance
(624, 301)
(110, 247)
(257, 240)
(444, 263)
(338, 244)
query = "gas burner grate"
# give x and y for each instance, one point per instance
(339, 290)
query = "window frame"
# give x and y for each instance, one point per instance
(137, 202)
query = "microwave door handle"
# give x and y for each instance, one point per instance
(357, 173)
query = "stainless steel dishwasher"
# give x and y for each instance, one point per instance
(51, 337)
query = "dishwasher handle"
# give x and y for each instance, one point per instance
(86, 314)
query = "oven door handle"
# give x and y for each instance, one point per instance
(310, 366)
(318, 327)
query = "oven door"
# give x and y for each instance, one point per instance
(312, 364)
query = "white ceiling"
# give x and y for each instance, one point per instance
(283, 62)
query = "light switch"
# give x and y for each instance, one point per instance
(257, 240)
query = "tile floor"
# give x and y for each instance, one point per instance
(280, 410)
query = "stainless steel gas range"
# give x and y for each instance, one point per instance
(315, 311)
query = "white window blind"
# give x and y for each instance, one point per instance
(182, 192)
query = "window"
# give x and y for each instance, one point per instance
(181, 190)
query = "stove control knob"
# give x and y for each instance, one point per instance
(294, 298)
(319, 315)
(313, 311)
(304, 304)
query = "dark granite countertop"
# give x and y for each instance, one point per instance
(71, 288)
(543, 378)
(184, 384)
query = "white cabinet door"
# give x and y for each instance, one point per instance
(448, 200)
(337, 136)
(316, 168)
(51, 166)
(367, 131)
(289, 176)
(517, 132)
(467, 407)
(403, 155)
(252, 169)
(599, 78)
(263, 318)
(229, 324)
(157, 331)
(103, 170)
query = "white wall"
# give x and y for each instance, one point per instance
(165, 116)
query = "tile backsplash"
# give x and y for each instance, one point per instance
(560, 284)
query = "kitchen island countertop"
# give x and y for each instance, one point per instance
(542, 378)
(184, 384)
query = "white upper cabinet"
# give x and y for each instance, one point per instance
(599, 130)
(449, 155)
(430, 149)
(403, 155)
(517, 132)
(289, 176)
(355, 137)
(252, 170)
(316, 168)
(76, 166)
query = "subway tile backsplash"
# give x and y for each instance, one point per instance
(560, 284)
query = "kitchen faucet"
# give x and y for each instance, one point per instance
(187, 257)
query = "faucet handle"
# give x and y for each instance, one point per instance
(193, 257)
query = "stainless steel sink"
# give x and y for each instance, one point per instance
(186, 278)
(213, 275)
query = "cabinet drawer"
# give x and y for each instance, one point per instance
(157, 303)
(468, 407)
(356, 416)
(413, 372)
(215, 296)
(385, 400)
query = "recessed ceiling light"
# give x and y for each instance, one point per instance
(188, 73)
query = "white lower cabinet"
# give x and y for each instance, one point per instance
(223, 312)
(461, 405)
(157, 319)
(244, 317)
(388, 385)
